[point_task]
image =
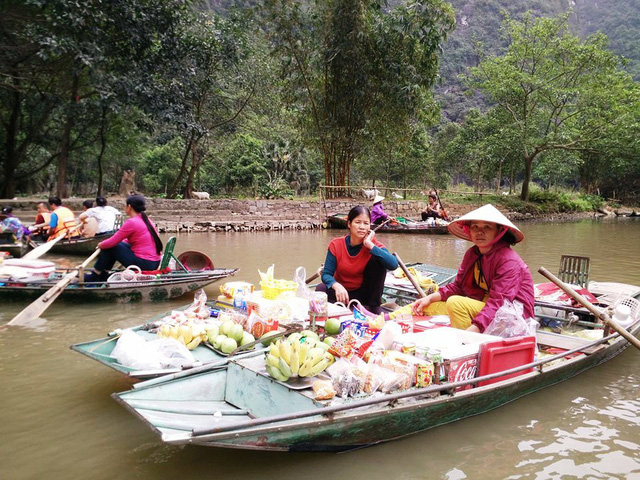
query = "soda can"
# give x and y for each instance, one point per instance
(422, 352)
(409, 348)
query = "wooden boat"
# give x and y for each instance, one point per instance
(239, 406)
(161, 287)
(16, 250)
(339, 220)
(78, 245)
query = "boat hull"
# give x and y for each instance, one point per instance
(337, 431)
(156, 291)
(340, 221)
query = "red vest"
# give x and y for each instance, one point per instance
(349, 270)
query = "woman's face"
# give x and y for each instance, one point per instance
(483, 233)
(128, 209)
(359, 227)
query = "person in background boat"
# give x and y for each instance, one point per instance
(100, 219)
(43, 216)
(356, 264)
(89, 228)
(135, 243)
(433, 208)
(13, 225)
(62, 219)
(490, 273)
(378, 215)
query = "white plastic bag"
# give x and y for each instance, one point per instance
(509, 322)
(135, 352)
(300, 278)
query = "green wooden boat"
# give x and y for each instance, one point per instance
(239, 406)
(339, 220)
(162, 287)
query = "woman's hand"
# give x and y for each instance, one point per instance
(368, 240)
(417, 308)
(341, 293)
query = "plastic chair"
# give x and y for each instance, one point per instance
(575, 270)
(167, 255)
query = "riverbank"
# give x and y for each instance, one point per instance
(234, 215)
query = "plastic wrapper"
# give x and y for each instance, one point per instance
(300, 277)
(323, 390)
(229, 289)
(510, 322)
(135, 352)
(347, 377)
(383, 379)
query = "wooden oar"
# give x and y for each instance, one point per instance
(411, 278)
(38, 307)
(45, 247)
(591, 307)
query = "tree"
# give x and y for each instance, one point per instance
(350, 62)
(557, 92)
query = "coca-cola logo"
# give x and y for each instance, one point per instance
(465, 371)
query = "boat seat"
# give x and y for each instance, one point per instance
(574, 270)
(167, 255)
(565, 342)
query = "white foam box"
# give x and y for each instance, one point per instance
(28, 271)
(459, 349)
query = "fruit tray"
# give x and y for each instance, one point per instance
(238, 352)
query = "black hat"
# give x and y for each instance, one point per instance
(137, 202)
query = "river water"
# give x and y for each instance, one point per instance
(57, 420)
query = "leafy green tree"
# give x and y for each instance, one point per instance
(245, 166)
(557, 92)
(350, 62)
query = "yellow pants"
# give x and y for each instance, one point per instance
(461, 310)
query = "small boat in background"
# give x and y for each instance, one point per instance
(152, 288)
(339, 220)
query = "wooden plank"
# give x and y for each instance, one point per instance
(565, 342)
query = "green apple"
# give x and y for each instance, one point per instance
(212, 332)
(226, 326)
(228, 345)
(236, 332)
(310, 334)
(247, 338)
(266, 340)
(332, 326)
(218, 341)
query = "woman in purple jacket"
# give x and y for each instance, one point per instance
(490, 273)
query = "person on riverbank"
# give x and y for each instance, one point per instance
(356, 265)
(135, 243)
(99, 220)
(62, 219)
(490, 273)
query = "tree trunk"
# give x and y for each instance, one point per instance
(499, 176)
(528, 162)
(63, 160)
(10, 160)
(195, 166)
(183, 168)
(103, 147)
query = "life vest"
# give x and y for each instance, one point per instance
(66, 221)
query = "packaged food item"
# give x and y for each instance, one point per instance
(318, 307)
(344, 344)
(323, 390)
(228, 289)
(424, 374)
(258, 326)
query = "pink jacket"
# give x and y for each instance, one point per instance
(135, 232)
(507, 276)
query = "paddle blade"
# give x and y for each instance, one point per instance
(45, 300)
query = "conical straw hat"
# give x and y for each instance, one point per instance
(486, 213)
(377, 199)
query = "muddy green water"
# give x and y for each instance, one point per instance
(58, 421)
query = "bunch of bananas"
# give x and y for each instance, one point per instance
(426, 283)
(303, 358)
(189, 334)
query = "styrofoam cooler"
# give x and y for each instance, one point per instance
(28, 271)
(459, 349)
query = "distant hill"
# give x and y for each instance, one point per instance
(480, 20)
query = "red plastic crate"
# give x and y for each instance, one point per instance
(505, 354)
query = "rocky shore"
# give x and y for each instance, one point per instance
(232, 215)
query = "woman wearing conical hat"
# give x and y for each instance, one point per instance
(490, 273)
